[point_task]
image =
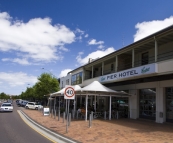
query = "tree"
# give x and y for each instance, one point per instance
(46, 84)
(4, 96)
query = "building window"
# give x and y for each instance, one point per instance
(76, 79)
(145, 58)
(67, 82)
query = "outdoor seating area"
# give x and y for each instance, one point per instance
(102, 102)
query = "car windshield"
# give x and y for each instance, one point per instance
(6, 104)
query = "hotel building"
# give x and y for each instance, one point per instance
(144, 69)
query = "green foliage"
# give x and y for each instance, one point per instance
(4, 96)
(46, 85)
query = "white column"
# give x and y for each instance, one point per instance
(160, 104)
(110, 102)
(86, 105)
(134, 104)
(102, 68)
(83, 77)
(54, 103)
(156, 49)
(116, 68)
(95, 103)
(59, 102)
(92, 72)
(133, 58)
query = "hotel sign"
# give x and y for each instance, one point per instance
(138, 71)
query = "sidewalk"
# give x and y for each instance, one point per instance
(105, 131)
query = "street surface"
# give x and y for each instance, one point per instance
(14, 130)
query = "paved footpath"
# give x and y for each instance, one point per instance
(105, 131)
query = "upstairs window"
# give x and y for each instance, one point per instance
(67, 82)
(145, 58)
(76, 79)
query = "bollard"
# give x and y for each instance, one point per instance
(52, 113)
(90, 121)
(128, 114)
(55, 114)
(105, 115)
(58, 115)
(63, 116)
(67, 124)
(91, 115)
(117, 115)
(77, 115)
(69, 119)
(73, 114)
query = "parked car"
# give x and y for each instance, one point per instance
(23, 104)
(6, 107)
(19, 103)
(32, 105)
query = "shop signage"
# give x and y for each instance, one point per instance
(138, 71)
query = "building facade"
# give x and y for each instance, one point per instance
(144, 69)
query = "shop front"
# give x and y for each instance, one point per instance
(147, 103)
(169, 104)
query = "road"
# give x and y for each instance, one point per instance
(14, 130)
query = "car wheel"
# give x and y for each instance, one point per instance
(36, 108)
(27, 107)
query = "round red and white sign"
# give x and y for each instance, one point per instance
(69, 93)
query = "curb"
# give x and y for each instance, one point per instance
(60, 137)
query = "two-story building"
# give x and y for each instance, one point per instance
(144, 69)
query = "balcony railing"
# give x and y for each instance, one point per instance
(165, 56)
(150, 60)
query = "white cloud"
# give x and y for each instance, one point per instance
(36, 39)
(94, 42)
(79, 34)
(79, 31)
(63, 48)
(17, 60)
(145, 29)
(17, 79)
(64, 72)
(93, 55)
(86, 35)
(101, 47)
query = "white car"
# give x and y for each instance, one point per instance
(33, 105)
(6, 107)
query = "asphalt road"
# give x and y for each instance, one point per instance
(14, 130)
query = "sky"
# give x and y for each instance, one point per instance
(58, 36)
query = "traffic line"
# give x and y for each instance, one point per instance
(53, 137)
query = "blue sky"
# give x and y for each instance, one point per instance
(61, 35)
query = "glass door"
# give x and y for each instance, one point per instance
(147, 103)
(169, 104)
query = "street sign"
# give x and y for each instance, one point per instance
(69, 92)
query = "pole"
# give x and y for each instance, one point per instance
(67, 117)
(66, 107)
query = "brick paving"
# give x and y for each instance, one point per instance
(105, 131)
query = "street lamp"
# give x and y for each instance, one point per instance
(50, 73)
